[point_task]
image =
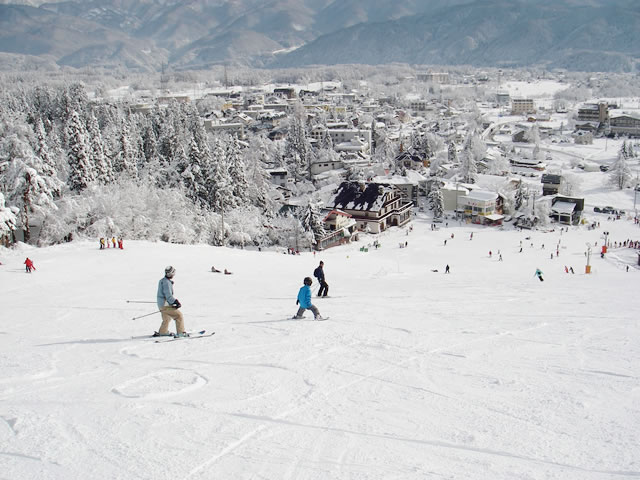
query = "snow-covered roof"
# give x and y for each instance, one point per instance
(482, 195)
(336, 212)
(563, 207)
(357, 196)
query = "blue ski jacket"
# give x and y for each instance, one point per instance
(304, 296)
(165, 292)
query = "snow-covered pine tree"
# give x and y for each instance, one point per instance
(620, 174)
(149, 142)
(81, 169)
(47, 160)
(235, 162)
(28, 189)
(194, 176)
(452, 154)
(102, 162)
(219, 184)
(436, 200)
(7, 222)
(126, 161)
(520, 196)
(312, 223)
(326, 142)
(258, 155)
(468, 166)
(298, 152)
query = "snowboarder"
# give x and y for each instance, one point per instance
(29, 265)
(214, 270)
(304, 301)
(169, 305)
(446, 269)
(539, 274)
(227, 272)
(319, 274)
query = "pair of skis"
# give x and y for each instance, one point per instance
(191, 335)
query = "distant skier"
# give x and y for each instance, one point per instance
(29, 265)
(304, 301)
(319, 274)
(214, 270)
(539, 274)
(169, 305)
(446, 269)
(101, 243)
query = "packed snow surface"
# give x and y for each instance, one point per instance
(483, 373)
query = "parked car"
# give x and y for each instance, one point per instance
(608, 210)
(604, 168)
(597, 209)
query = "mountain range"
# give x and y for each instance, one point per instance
(144, 35)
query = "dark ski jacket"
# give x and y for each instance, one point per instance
(319, 274)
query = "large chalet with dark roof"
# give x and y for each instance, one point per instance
(374, 206)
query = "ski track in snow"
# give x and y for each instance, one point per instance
(161, 384)
(281, 419)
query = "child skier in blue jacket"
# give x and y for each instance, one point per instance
(304, 300)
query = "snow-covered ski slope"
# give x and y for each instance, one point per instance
(484, 373)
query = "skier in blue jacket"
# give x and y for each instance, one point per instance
(169, 305)
(304, 300)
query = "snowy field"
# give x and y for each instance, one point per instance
(485, 373)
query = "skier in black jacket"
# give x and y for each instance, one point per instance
(319, 274)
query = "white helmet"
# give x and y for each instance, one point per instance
(169, 272)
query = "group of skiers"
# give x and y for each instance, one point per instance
(108, 242)
(304, 294)
(169, 305)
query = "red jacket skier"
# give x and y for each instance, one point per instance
(29, 265)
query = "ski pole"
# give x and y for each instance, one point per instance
(142, 316)
(139, 301)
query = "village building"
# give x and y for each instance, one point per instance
(594, 112)
(374, 206)
(411, 186)
(480, 207)
(318, 168)
(567, 210)
(625, 124)
(522, 106)
(583, 137)
(340, 227)
(550, 184)
(433, 77)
